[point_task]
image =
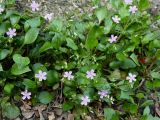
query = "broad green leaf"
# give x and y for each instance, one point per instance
(101, 14)
(155, 74)
(4, 27)
(14, 19)
(33, 22)
(4, 53)
(115, 64)
(134, 58)
(130, 107)
(115, 3)
(143, 4)
(52, 77)
(46, 46)
(29, 84)
(20, 61)
(147, 38)
(108, 25)
(121, 56)
(31, 35)
(56, 25)
(147, 103)
(67, 106)
(16, 70)
(11, 111)
(45, 97)
(8, 88)
(146, 111)
(156, 83)
(110, 114)
(92, 37)
(128, 63)
(71, 44)
(123, 12)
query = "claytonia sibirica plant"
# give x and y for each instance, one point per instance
(113, 39)
(133, 9)
(103, 93)
(90, 74)
(26, 95)
(131, 77)
(48, 16)
(11, 32)
(68, 75)
(82, 60)
(1, 9)
(128, 2)
(85, 100)
(35, 6)
(116, 19)
(41, 75)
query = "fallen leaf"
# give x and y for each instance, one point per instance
(51, 116)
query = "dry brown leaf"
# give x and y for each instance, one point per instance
(27, 113)
(70, 117)
(51, 116)
(40, 108)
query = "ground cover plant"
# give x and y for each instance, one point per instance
(105, 64)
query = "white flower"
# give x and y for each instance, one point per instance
(26, 95)
(85, 100)
(1, 9)
(131, 77)
(48, 16)
(11, 32)
(116, 19)
(128, 2)
(133, 9)
(34, 6)
(68, 75)
(41, 75)
(113, 39)
(90, 74)
(110, 98)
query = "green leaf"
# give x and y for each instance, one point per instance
(143, 4)
(115, 3)
(130, 107)
(11, 111)
(31, 36)
(4, 53)
(14, 19)
(20, 61)
(146, 111)
(45, 97)
(128, 63)
(123, 12)
(29, 84)
(110, 114)
(71, 44)
(17, 70)
(101, 14)
(155, 74)
(8, 88)
(33, 22)
(147, 38)
(115, 64)
(147, 103)
(67, 106)
(93, 34)
(108, 25)
(1, 68)
(56, 25)
(158, 54)
(156, 83)
(134, 58)
(121, 56)
(4, 27)
(52, 77)
(46, 46)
